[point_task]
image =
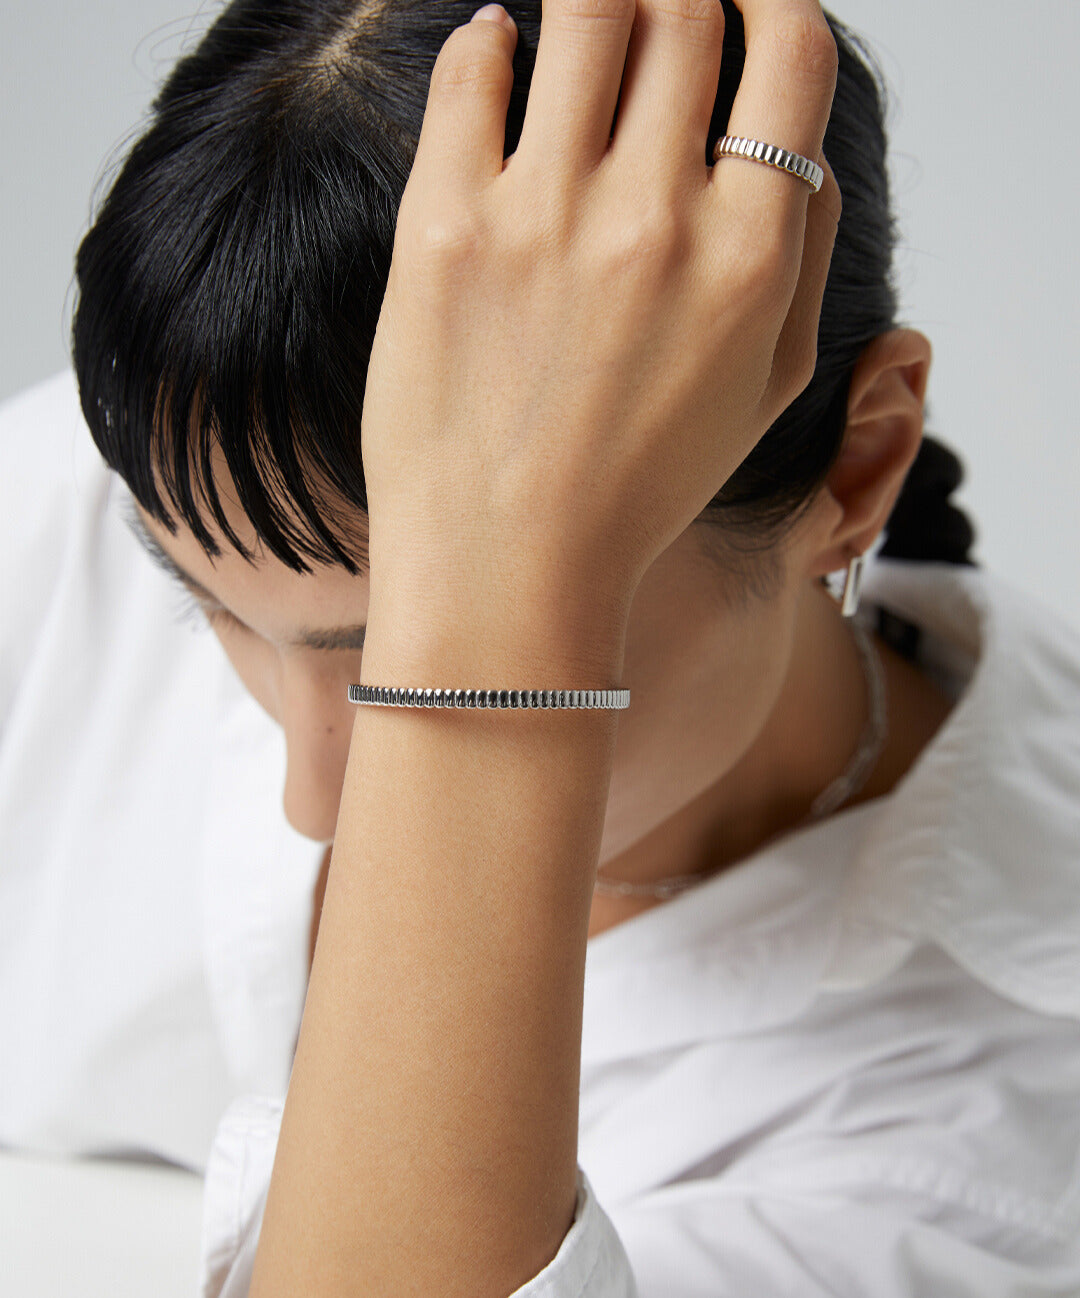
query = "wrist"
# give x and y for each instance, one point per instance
(520, 633)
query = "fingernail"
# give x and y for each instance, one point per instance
(494, 14)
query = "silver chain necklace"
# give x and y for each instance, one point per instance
(845, 786)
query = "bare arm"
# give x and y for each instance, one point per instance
(317, 905)
(428, 1143)
(440, 1046)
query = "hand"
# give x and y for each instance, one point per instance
(577, 347)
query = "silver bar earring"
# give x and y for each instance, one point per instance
(852, 586)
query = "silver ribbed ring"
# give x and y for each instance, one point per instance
(737, 146)
(400, 697)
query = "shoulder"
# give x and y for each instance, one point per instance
(42, 429)
(978, 848)
(970, 620)
(51, 466)
(53, 477)
(914, 1136)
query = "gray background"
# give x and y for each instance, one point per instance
(987, 99)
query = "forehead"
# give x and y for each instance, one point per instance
(324, 609)
(270, 487)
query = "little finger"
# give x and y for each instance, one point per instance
(795, 358)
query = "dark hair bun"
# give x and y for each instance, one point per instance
(924, 525)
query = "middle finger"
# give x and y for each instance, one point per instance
(669, 87)
(575, 85)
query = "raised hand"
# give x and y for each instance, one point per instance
(578, 345)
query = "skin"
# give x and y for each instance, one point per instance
(744, 708)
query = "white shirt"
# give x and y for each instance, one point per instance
(153, 898)
(848, 1066)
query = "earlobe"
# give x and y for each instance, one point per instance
(881, 440)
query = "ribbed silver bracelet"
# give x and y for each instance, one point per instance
(400, 697)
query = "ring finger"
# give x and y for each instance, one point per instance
(784, 98)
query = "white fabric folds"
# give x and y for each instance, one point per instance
(849, 1066)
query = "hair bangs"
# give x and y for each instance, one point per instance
(229, 291)
(230, 285)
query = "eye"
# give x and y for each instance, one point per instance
(222, 617)
(195, 614)
(190, 611)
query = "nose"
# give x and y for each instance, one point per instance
(317, 719)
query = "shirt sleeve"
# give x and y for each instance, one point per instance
(906, 1229)
(591, 1261)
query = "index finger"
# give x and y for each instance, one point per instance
(784, 99)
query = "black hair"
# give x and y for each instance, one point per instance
(230, 284)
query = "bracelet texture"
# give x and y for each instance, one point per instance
(401, 697)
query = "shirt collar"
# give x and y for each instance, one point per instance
(975, 849)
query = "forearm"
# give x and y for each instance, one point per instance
(429, 1139)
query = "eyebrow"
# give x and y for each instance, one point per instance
(342, 637)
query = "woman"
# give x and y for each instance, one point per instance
(623, 411)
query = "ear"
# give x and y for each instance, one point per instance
(882, 437)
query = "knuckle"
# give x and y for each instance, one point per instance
(649, 238)
(762, 261)
(699, 20)
(452, 235)
(703, 18)
(472, 57)
(766, 296)
(538, 229)
(805, 366)
(789, 377)
(707, 15)
(805, 44)
(575, 13)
